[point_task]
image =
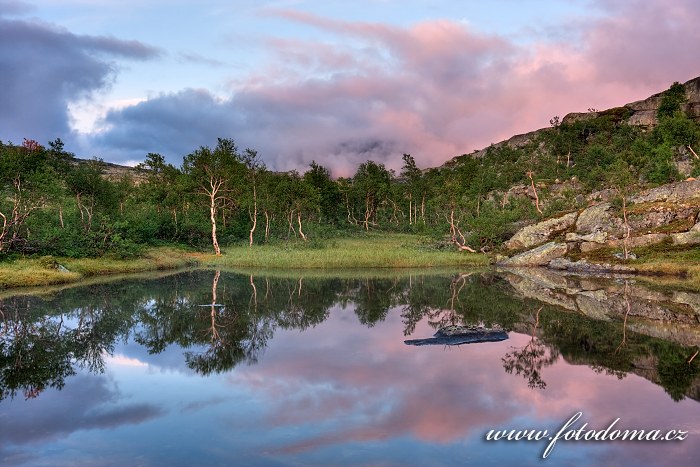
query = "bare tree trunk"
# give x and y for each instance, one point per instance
(422, 208)
(299, 221)
(212, 217)
(368, 213)
(175, 221)
(255, 215)
(267, 226)
(60, 215)
(534, 190)
(693, 152)
(454, 230)
(410, 209)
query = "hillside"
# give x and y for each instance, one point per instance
(639, 113)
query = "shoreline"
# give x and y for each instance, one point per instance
(393, 251)
(346, 255)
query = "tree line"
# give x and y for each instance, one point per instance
(52, 204)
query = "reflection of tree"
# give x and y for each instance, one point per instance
(463, 299)
(529, 360)
(627, 312)
(229, 319)
(39, 351)
(373, 298)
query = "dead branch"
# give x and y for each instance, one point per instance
(534, 190)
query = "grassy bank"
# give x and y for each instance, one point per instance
(372, 251)
(31, 272)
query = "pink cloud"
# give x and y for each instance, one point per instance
(436, 89)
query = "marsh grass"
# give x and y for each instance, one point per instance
(30, 272)
(371, 251)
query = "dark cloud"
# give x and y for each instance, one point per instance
(44, 68)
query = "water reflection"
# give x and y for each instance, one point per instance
(228, 320)
(347, 381)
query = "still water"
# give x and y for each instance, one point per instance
(224, 368)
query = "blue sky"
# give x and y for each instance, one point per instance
(337, 82)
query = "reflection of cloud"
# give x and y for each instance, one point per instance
(199, 405)
(86, 403)
(369, 387)
(372, 385)
(123, 360)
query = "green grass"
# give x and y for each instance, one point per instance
(31, 272)
(372, 251)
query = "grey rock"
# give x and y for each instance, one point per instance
(673, 192)
(584, 267)
(539, 256)
(686, 238)
(597, 218)
(594, 237)
(537, 234)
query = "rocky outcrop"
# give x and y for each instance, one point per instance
(540, 256)
(671, 193)
(666, 214)
(640, 113)
(643, 113)
(598, 218)
(537, 234)
(691, 237)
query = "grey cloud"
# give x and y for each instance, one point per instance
(43, 68)
(81, 406)
(12, 7)
(194, 57)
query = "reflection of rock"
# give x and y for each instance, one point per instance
(593, 304)
(529, 284)
(539, 256)
(672, 316)
(584, 267)
(458, 335)
(536, 234)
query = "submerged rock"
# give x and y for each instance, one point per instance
(458, 335)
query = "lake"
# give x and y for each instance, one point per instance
(224, 368)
